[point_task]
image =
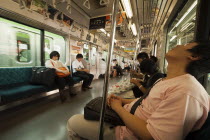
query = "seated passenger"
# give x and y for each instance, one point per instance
(147, 67)
(80, 71)
(140, 57)
(153, 58)
(60, 81)
(116, 66)
(175, 106)
(126, 66)
(102, 68)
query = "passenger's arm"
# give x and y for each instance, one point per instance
(136, 125)
(176, 114)
(137, 83)
(124, 101)
(127, 101)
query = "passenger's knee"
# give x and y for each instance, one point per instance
(73, 122)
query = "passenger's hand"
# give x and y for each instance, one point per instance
(110, 97)
(86, 70)
(135, 81)
(65, 71)
(115, 103)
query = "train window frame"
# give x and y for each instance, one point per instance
(50, 43)
(28, 47)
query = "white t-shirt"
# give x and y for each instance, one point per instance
(54, 64)
(77, 65)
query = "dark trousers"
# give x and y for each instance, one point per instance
(86, 77)
(137, 92)
(62, 81)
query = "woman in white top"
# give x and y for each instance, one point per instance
(60, 81)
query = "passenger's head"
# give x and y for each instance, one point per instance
(148, 66)
(54, 55)
(79, 57)
(194, 57)
(153, 58)
(141, 56)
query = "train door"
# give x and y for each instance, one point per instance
(86, 55)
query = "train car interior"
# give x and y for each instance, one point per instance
(59, 57)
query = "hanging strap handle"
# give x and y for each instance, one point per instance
(139, 101)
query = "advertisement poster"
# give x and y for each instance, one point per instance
(75, 49)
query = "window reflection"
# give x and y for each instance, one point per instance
(23, 47)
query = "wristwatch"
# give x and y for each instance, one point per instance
(140, 86)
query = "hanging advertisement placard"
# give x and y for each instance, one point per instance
(97, 23)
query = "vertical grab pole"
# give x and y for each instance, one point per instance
(138, 44)
(106, 80)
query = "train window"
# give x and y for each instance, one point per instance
(23, 47)
(86, 52)
(54, 42)
(19, 45)
(47, 48)
(181, 31)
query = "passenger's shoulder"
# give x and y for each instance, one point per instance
(194, 89)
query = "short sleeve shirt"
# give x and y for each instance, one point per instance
(173, 108)
(77, 65)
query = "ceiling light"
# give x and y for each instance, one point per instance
(127, 7)
(173, 37)
(133, 28)
(184, 16)
(108, 35)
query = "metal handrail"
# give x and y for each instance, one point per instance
(106, 80)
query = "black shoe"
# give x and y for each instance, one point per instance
(72, 94)
(84, 88)
(63, 98)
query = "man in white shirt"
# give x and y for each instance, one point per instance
(80, 71)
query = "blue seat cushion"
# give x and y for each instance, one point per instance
(19, 91)
(14, 76)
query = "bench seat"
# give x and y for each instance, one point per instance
(15, 84)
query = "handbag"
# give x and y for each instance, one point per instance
(60, 74)
(92, 110)
(43, 76)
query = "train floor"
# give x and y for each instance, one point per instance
(46, 119)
